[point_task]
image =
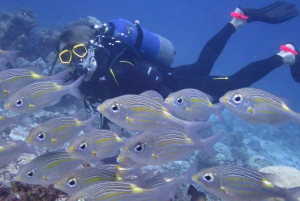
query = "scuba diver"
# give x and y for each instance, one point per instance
(121, 57)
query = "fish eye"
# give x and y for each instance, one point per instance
(83, 146)
(19, 102)
(41, 135)
(237, 98)
(179, 100)
(115, 107)
(139, 147)
(30, 173)
(72, 182)
(208, 177)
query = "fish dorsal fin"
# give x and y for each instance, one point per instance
(153, 95)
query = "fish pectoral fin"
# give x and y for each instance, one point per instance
(250, 110)
(224, 190)
(31, 106)
(154, 156)
(228, 191)
(128, 119)
(6, 92)
(94, 153)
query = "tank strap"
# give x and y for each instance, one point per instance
(126, 62)
(52, 66)
(113, 62)
(112, 73)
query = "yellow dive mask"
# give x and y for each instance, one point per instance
(72, 54)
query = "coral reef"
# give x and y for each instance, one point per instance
(28, 192)
(88, 21)
(16, 26)
(18, 31)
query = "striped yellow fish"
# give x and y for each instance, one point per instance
(13, 79)
(149, 189)
(258, 106)
(192, 104)
(140, 113)
(235, 183)
(84, 177)
(156, 148)
(96, 145)
(39, 95)
(48, 168)
(54, 133)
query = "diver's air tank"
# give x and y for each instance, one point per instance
(150, 45)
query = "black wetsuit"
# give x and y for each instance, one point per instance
(126, 76)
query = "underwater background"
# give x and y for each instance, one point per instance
(189, 25)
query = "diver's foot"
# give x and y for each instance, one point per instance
(238, 18)
(288, 53)
(275, 13)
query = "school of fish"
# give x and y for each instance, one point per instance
(166, 130)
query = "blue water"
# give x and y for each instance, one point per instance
(189, 25)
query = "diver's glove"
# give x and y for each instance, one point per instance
(275, 13)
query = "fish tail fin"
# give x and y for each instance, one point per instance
(135, 171)
(206, 145)
(74, 91)
(193, 169)
(293, 193)
(218, 109)
(11, 57)
(27, 148)
(296, 118)
(60, 76)
(21, 120)
(89, 123)
(192, 128)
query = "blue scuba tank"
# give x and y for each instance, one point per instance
(151, 46)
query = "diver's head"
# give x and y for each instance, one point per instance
(74, 35)
(75, 51)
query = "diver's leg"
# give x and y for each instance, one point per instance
(256, 71)
(295, 68)
(208, 55)
(275, 13)
(259, 69)
(210, 52)
(216, 86)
